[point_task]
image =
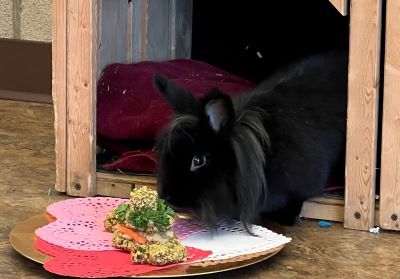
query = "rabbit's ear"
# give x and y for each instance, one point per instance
(219, 110)
(181, 100)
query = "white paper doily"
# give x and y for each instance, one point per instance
(232, 240)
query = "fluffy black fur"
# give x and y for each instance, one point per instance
(262, 152)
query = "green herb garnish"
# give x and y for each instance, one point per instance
(161, 217)
(121, 212)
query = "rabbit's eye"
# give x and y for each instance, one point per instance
(197, 162)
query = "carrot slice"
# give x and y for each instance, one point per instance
(131, 233)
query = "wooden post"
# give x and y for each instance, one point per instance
(390, 163)
(59, 90)
(340, 5)
(362, 113)
(82, 47)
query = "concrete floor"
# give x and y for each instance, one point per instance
(27, 173)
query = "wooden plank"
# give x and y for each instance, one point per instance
(169, 29)
(143, 29)
(390, 163)
(181, 28)
(340, 5)
(81, 96)
(362, 113)
(332, 200)
(114, 187)
(113, 26)
(161, 30)
(321, 211)
(130, 32)
(158, 30)
(119, 185)
(140, 179)
(59, 90)
(139, 28)
(329, 208)
(26, 97)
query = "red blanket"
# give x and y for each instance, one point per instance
(131, 111)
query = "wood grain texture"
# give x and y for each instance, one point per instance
(390, 163)
(321, 211)
(169, 29)
(81, 96)
(158, 29)
(27, 173)
(59, 89)
(329, 208)
(362, 113)
(161, 30)
(181, 28)
(26, 96)
(139, 30)
(114, 36)
(130, 32)
(340, 5)
(119, 185)
(143, 29)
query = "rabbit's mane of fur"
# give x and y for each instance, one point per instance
(249, 141)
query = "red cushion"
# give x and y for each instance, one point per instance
(129, 107)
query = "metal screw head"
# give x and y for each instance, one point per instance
(394, 217)
(357, 215)
(77, 186)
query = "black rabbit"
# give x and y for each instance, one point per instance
(262, 152)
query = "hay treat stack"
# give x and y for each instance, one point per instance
(143, 227)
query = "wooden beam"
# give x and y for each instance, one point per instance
(390, 163)
(161, 30)
(158, 29)
(180, 25)
(26, 97)
(139, 30)
(144, 29)
(82, 47)
(114, 32)
(340, 5)
(329, 208)
(120, 185)
(59, 90)
(362, 113)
